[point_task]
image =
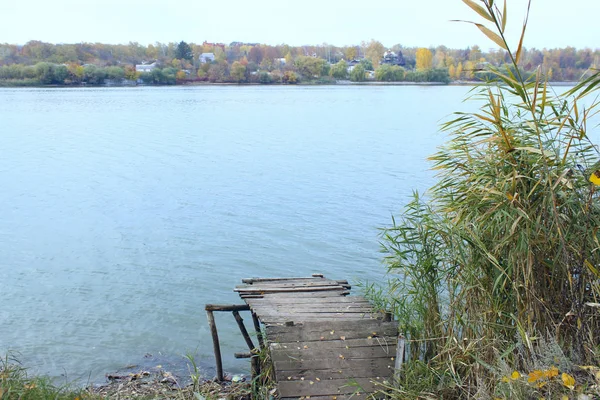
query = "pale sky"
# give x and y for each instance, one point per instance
(424, 23)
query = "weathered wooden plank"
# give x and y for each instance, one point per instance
(279, 299)
(334, 293)
(315, 330)
(333, 363)
(302, 317)
(312, 306)
(227, 307)
(326, 387)
(352, 352)
(338, 343)
(301, 320)
(254, 280)
(277, 289)
(381, 367)
(316, 309)
(292, 283)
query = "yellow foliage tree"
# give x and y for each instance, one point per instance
(452, 72)
(374, 51)
(470, 70)
(459, 71)
(424, 58)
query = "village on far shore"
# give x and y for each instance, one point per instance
(37, 64)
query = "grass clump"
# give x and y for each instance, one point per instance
(15, 383)
(495, 274)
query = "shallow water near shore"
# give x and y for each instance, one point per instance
(125, 210)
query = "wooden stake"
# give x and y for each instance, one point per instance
(216, 346)
(240, 322)
(261, 342)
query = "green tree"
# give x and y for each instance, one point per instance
(184, 51)
(339, 70)
(311, 67)
(389, 73)
(358, 73)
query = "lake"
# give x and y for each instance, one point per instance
(125, 210)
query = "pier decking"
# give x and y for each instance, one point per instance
(323, 342)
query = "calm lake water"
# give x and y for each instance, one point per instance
(123, 211)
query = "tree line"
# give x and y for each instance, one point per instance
(37, 62)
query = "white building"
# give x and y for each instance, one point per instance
(145, 67)
(206, 57)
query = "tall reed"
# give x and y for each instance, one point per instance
(502, 256)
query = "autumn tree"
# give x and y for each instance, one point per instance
(238, 72)
(374, 51)
(424, 59)
(255, 55)
(350, 53)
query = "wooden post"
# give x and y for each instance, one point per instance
(399, 354)
(254, 363)
(240, 322)
(216, 346)
(261, 342)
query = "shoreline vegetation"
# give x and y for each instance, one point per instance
(5, 85)
(37, 63)
(131, 382)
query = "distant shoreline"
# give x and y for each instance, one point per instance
(338, 83)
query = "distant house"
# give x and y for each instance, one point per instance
(281, 61)
(213, 45)
(145, 67)
(389, 57)
(206, 58)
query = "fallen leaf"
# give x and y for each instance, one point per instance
(551, 373)
(535, 376)
(568, 380)
(515, 375)
(343, 337)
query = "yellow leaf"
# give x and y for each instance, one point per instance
(492, 36)
(551, 373)
(564, 398)
(505, 379)
(535, 376)
(478, 9)
(515, 375)
(568, 381)
(541, 384)
(595, 178)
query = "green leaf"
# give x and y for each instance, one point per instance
(493, 36)
(479, 10)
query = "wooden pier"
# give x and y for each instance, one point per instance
(324, 343)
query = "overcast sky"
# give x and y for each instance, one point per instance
(553, 23)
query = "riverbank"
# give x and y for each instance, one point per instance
(131, 382)
(13, 84)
